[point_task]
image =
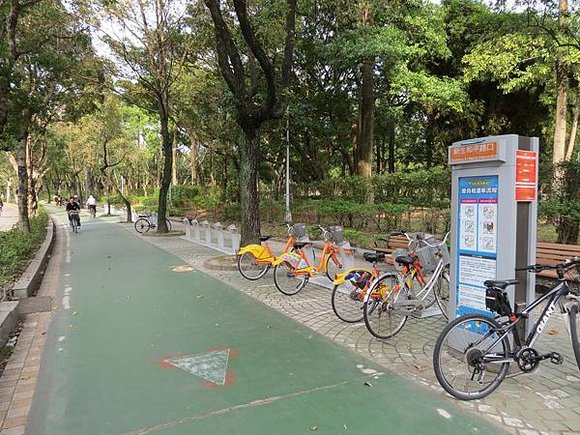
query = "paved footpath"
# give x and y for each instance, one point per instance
(139, 344)
(8, 217)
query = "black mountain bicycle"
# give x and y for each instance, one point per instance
(473, 353)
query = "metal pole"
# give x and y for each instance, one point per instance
(288, 217)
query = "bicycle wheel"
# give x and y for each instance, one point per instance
(75, 225)
(332, 268)
(442, 292)
(168, 224)
(458, 358)
(573, 316)
(382, 318)
(287, 281)
(142, 225)
(250, 268)
(347, 301)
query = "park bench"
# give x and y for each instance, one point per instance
(554, 253)
(393, 243)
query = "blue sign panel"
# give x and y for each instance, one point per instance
(476, 241)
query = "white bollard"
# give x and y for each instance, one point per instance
(187, 226)
(235, 238)
(207, 230)
(346, 254)
(219, 230)
(113, 211)
(195, 226)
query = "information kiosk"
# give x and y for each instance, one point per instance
(493, 218)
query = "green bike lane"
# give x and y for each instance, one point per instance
(128, 320)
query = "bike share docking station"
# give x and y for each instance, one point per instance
(493, 219)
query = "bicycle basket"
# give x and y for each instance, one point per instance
(429, 256)
(336, 234)
(298, 230)
(497, 301)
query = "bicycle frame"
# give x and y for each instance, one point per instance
(555, 297)
(263, 253)
(328, 250)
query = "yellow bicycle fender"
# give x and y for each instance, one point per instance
(341, 277)
(257, 251)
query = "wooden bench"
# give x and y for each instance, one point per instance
(554, 253)
(393, 243)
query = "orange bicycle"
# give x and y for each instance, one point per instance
(255, 260)
(293, 270)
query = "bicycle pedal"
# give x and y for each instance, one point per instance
(556, 358)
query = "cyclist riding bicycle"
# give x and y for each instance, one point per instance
(73, 206)
(92, 205)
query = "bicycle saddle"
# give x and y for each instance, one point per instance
(374, 257)
(500, 284)
(299, 245)
(264, 238)
(404, 259)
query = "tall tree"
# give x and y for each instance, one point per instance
(152, 52)
(254, 105)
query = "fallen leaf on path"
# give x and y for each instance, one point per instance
(368, 384)
(553, 332)
(313, 428)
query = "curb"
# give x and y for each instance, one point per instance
(29, 281)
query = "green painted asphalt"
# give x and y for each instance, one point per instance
(105, 371)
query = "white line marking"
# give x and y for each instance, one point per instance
(61, 338)
(66, 302)
(443, 413)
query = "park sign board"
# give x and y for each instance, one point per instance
(473, 152)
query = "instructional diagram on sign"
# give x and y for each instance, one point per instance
(477, 239)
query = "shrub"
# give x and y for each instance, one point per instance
(18, 247)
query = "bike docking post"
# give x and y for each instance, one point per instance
(235, 238)
(187, 226)
(207, 232)
(493, 219)
(195, 228)
(219, 232)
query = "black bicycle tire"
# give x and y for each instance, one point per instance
(437, 359)
(443, 276)
(370, 306)
(574, 332)
(339, 313)
(248, 277)
(74, 225)
(143, 230)
(287, 293)
(168, 222)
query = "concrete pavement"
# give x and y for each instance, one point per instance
(8, 217)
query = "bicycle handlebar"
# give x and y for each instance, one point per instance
(561, 267)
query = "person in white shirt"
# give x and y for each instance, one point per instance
(92, 205)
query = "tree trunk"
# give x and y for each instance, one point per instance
(561, 112)
(562, 89)
(391, 139)
(568, 230)
(249, 158)
(193, 158)
(23, 220)
(174, 161)
(166, 179)
(574, 130)
(366, 121)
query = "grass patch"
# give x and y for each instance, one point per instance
(18, 247)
